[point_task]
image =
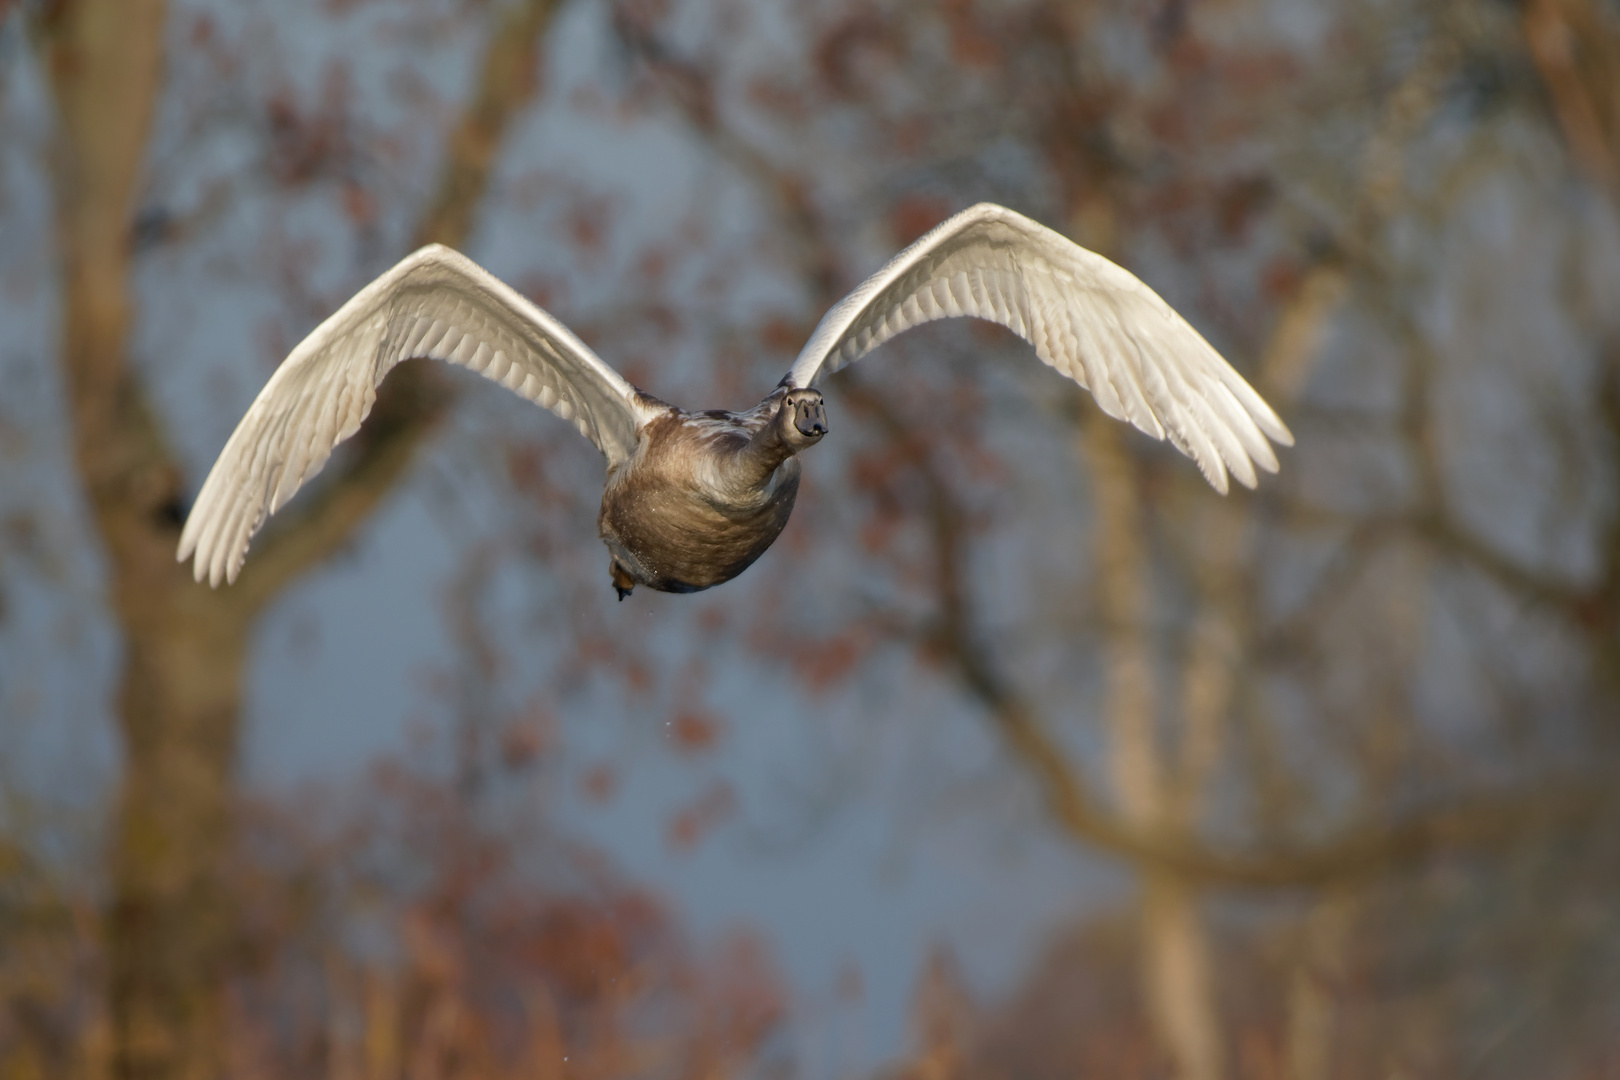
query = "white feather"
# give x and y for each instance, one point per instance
(1086, 317)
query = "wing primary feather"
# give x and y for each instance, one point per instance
(1095, 341)
(1204, 450)
(1226, 441)
(223, 539)
(295, 455)
(356, 404)
(1190, 439)
(1254, 442)
(1133, 393)
(1136, 383)
(268, 454)
(204, 541)
(1254, 404)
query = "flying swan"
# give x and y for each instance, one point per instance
(693, 498)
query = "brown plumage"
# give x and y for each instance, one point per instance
(706, 493)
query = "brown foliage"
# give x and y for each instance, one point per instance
(391, 931)
(406, 930)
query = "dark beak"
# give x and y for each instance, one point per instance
(810, 418)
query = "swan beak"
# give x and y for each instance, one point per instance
(810, 417)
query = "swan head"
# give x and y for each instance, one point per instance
(802, 418)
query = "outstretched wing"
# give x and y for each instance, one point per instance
(1086, 317)
(435, 303)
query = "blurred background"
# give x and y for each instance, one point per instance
(1021, 754)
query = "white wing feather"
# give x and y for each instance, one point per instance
(434, 303)
(1088, 318)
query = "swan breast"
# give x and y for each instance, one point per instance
(670, 516)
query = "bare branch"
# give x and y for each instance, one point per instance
(1576, 48)
(416, 395)
(1473, 825)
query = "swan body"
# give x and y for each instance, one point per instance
(693, 498)
(706, 493)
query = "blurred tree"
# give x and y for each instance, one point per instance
(179, 699)
(1380, 693)
(1230, 152)
(397, 933)
(1576, 47)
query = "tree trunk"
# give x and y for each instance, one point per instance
(177, 700)
(1180, 982)
(1154, 797)
(1314, 986)
(169, 929)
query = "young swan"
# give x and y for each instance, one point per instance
(705, 494)
(693, 498)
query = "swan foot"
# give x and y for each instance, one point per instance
(623, 583)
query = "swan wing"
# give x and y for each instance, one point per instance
(1088, 318)
(434, 303)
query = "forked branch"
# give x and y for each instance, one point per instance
(415, 396)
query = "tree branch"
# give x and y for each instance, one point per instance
(1576, 48)
(1473, 825)
(415, 396)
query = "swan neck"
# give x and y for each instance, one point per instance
(764, 454)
